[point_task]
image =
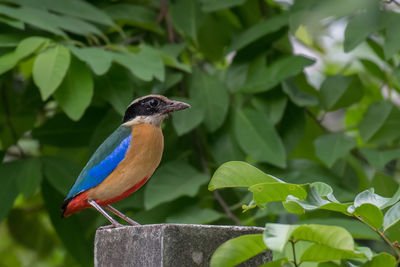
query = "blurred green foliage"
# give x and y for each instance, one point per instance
(69, 69)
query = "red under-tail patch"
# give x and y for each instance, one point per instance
(80, 202)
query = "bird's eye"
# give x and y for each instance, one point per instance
(153, 102)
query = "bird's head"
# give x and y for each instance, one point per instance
(151, 109)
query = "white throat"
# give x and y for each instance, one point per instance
(155, 120)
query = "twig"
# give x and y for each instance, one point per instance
(216, 194)
(294, 253)
(164, 16)
(382, 235)
(319, 122)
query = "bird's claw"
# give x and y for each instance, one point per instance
(111, 226)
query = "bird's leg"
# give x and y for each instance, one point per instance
(121, 215)
(114, 223)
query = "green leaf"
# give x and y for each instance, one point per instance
(186, 121)
(392, 216)
(265, 79)
(238, 174)
(330, 147)
(145, 65)
(270, 192)
(368, 196)
(75, 92)
(359, 27)
(237, 250)
(74, 8)
(8, 187)
(382, 259)
(333, 237)
(71, 230)
(373, 69)
(257, 31)
(214, 5)
(392, 41)
(379, 158)
(39, 18)
(381, 123)
(257, 136)
(50, 68)
(194, 215)
(276, 263)
(116, 88)
(29, 176)
(340, 91)
(98, 59)
(276, 235)
(60, 173)
(172, 180)
(321, 253)
(186, 17)
(371, 214)
(213, 96)
(273, 107)
(25, 48)
(300, 98)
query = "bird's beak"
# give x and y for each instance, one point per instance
(175, 106)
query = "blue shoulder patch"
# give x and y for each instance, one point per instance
(103, 161)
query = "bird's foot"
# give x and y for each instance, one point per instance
(111, 226)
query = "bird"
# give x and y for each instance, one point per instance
(124, 161)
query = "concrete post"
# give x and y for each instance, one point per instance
(167, 245)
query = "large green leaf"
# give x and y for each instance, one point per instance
(71, 230)
(75, 92)
(340, 91)
(214, 5)
(273, 107)
(392, 216)
(116, 88)
(381, 259)
(237, 250)
(359, 27)
(265, 79)
(257, 136)
(145, 65)
(25, 48)
(379, 158)
(8, 187)
(333, 237)
(257, 31)
(323, 253)
(50, 68)
(371, 215)
(239, 174)
(98, 59)
(172, 180)
(213, 96)
(330, 147)
(381, 123)
(392, 41)
(368, 196)
(276, 235)
(60, 173)
(270, 192)
(300, 98)
(186, 121)
(28, 175)
(75, 8)
(186, 17)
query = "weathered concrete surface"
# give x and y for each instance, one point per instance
(167, 245)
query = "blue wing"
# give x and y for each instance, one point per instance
(106, 158)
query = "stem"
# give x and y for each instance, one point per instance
(382, 235)
(294, 253)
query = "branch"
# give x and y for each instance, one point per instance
(163, 15)
(382, 235)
